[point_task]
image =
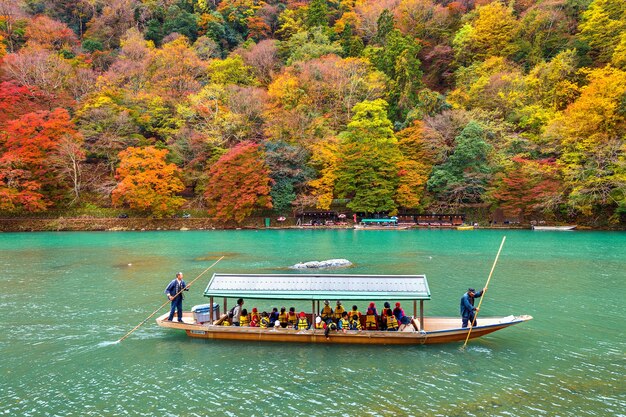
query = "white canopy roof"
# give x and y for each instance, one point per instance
(319, 286)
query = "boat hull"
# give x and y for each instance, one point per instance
(443, 332)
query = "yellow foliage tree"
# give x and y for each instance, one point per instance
(592, 135)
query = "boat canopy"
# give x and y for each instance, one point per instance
(318, 287)
(377, 221)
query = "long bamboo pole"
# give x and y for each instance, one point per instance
(164, 304)
(484, 290)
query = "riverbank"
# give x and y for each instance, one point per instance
(87, 224)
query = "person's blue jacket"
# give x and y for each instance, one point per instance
(171, 288)
(467, 304)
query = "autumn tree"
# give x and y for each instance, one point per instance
(34, 151)
(590, 133)
(367, 171)
(491, 33)
(16, 100)
(325, 160)
(602, 24)
(529, 186)
(415, 166)
(238, 184)
(147, 182)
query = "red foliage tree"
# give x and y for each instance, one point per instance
(239, 183)
(30, 152)
(17, 100)
(529, 186)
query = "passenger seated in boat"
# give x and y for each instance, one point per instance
(355, 310)
(282, 317)
(402, 319)
(244, 319)
(355, 323)
(265, 320)
(255, 313)
(225, 322)
(292, 318)
(383, 316)
(303, 323)
(344, 323)
(273, 316)
(330, 326)
(319, 323)
(392, 322)
(327, 312)
(253, 321)
(339, 310)
(371, 318)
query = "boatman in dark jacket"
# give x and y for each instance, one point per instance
(468, 311)
(175, 287)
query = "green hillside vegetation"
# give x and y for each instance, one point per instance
(236, 107)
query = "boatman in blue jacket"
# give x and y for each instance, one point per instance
(468, 311)
(175, 287)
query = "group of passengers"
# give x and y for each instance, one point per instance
(336, 320)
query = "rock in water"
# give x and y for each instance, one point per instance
(330, 263)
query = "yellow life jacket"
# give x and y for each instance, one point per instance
(319, 325)
(282, 317)
(244, 321)
(339, 311)
(353, 312)
(370, 321)
(225, 323)
(327, 313)
(357, 324)
(264, 322)
(345, 324)
(303, 324)
(292, 319)
(257, 315)
(392, 323)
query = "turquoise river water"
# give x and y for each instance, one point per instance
(66, 296)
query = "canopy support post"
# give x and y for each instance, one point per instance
(414, 308)
(422, 314)
(211, 310)
(312, 314)
(225, 305)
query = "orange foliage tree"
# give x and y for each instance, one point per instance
(147, 182)
(239, 183)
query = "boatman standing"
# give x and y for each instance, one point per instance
(175, 287)
(468, 311)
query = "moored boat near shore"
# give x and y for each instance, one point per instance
(557, 228)
(300, 287)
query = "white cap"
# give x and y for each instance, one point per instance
(318, 319)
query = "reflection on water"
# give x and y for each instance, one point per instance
(69, 296)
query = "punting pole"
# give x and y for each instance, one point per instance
(164, 304)
(484, 290)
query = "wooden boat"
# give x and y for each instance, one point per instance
(300, 287)
(557, 228)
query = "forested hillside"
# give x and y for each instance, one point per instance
(236, 106)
